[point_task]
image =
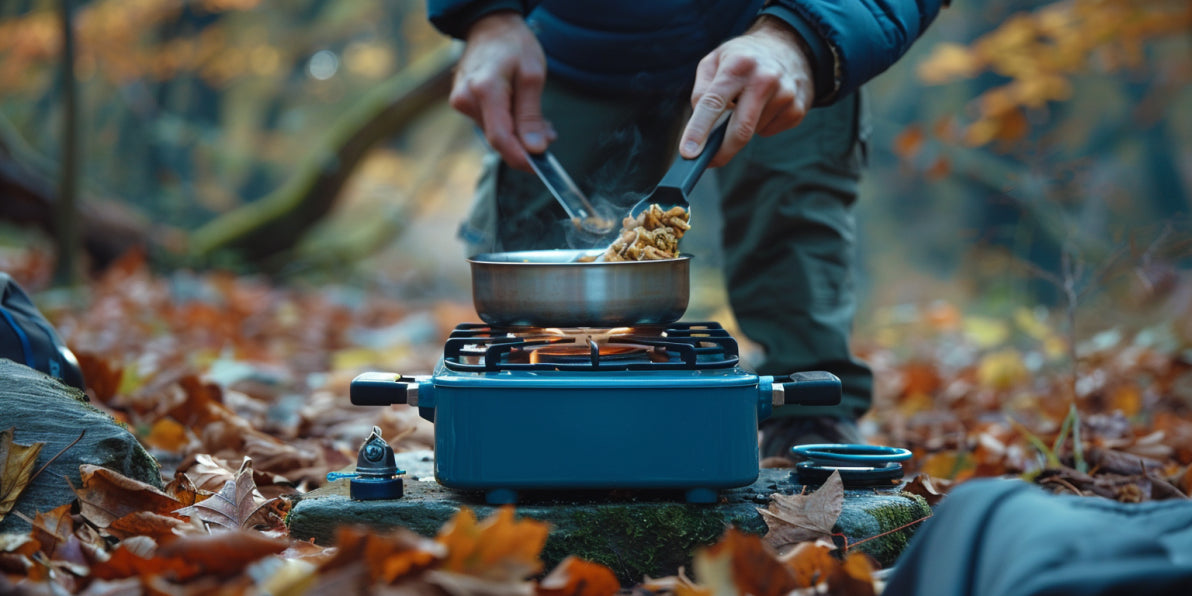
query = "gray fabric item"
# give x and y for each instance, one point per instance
(1009, 538)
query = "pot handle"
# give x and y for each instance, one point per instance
(381, 389)
(811, 388)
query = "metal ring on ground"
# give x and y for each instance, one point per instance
(858, 465)
(850, 454)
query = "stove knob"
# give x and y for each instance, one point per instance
(377, 474)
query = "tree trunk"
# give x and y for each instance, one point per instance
(273, 224)
(66, 216)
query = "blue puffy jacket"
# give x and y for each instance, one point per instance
(644, 46)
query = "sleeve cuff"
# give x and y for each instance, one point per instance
(821, 55)
(456, 23)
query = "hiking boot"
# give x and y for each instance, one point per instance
(780, 434)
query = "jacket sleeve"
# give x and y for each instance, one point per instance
(453, 17)
(852, 41)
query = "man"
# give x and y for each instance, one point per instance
(629, 80)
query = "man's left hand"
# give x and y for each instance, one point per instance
(763, 76)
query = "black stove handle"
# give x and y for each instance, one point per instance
(812, 388)
(379, 389)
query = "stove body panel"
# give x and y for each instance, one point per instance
(565, 430)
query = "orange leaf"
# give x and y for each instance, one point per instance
(389, 557)
(168, 435)
(811, 562)
(126, 561)
(921, 377)
(16, 469)
(949, 465)
(741, 563)
(577, 577)
(1127, 398)
(500, 548)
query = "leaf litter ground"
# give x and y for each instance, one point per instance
(238, 386)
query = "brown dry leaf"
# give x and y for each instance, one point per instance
(854, 577)
(208, 555)
(201, 403)
(182, 489)
(222, 553)
(106, 496)
(741, 563)
(16, 469)
(577, 577)
(500, 548)
(146, 523)
(924, 486)
(797, 518)
(52, 528)
(209, 473)
(103, 378)
(237, 505)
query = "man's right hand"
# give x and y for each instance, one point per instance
(498, 83)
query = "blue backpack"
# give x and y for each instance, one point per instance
(26, 337)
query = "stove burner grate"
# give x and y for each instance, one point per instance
(477, 347)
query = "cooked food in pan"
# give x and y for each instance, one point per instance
(652, 235)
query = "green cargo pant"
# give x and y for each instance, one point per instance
(787, 207)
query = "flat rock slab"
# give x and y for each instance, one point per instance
(634, 534)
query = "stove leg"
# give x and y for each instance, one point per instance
(500, 496)
(702, 495)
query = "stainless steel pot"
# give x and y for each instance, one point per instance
(547, 288)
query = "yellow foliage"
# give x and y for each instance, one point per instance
(1040, 51)
(1003, 369)
(986, 332)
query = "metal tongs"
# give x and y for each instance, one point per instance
(560, 184)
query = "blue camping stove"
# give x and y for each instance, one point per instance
(522, 409)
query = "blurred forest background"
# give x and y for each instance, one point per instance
(1024, 153)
